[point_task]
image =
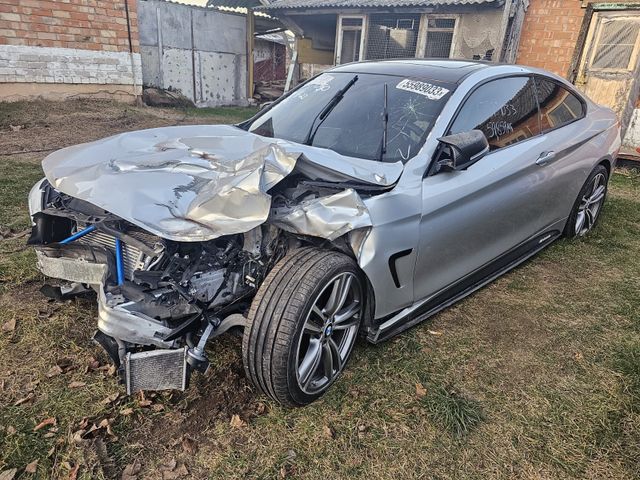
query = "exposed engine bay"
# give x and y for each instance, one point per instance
(160, 300)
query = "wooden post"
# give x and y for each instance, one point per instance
(250, 32)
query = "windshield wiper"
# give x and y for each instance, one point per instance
(324, 113)
(385, 122)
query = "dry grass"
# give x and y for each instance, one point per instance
(535, 376)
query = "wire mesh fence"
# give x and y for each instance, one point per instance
(392, 36)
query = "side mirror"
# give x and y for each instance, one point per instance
(461, 150)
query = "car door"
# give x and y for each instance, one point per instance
(567, 134)
(471, 218)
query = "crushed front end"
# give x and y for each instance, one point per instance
(159, 300)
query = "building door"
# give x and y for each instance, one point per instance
(609, 68)
(350, 38)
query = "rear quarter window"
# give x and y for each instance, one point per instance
(558, 106)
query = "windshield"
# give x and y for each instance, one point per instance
(345, 112)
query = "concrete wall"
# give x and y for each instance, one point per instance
(200, 52)
(55, 50)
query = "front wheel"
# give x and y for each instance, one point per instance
(303, 323)
(588, 205)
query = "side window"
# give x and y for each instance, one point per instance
(558, 106)
(504, 109)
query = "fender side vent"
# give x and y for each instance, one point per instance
(393, 259)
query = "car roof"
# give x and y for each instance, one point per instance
(448, 71)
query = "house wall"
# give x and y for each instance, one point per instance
(54, 50)
(549, 34)
(200, 52)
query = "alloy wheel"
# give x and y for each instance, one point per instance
(329, 333)
(590, 205)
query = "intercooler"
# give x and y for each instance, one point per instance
(132, 258)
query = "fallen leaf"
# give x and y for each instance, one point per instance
(178, 472)
(84, 423)
(54, 371)
(578, 356)
(77, 436)
(49, 435)
(131, 471)
(237, 422)
(24, 400)
(144, 403)
(9, 325)
(328, 431)
(126, 411)
(157, 407)
(16, 128)
(261, 408)
(32, 467)
(44, 423)
(433, 332)
(189, 445)
(420, 390)
(77, 384)
(31, 386)
(10, 430)
(106, 424)
(73, 473)
(8, 474)
(110, 399)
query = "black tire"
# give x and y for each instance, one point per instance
(279, 321)
(571, 228)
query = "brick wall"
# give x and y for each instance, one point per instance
(61, 48)
(81, 24)
(549, 34)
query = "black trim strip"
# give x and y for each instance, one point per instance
(392, 265)
(467, 285)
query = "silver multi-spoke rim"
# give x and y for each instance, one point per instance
(590, 204)
(329, 332)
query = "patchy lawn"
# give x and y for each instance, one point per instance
(535, 376)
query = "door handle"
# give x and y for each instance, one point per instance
(546, 158)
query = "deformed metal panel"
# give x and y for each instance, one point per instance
(327, 217)
(200, 182)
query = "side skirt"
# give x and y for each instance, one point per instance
(428, 307)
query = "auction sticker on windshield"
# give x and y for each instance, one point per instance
(432, 92)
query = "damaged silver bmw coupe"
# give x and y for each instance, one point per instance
(359, 204)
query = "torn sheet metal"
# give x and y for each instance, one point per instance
(197, 183)
(327, 217)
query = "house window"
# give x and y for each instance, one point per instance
(350, 39)
(439, 39)
(392, 36)
(616, 42)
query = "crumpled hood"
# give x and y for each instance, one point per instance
(196, 183)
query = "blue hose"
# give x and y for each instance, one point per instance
(119, 263)
(79, 234)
